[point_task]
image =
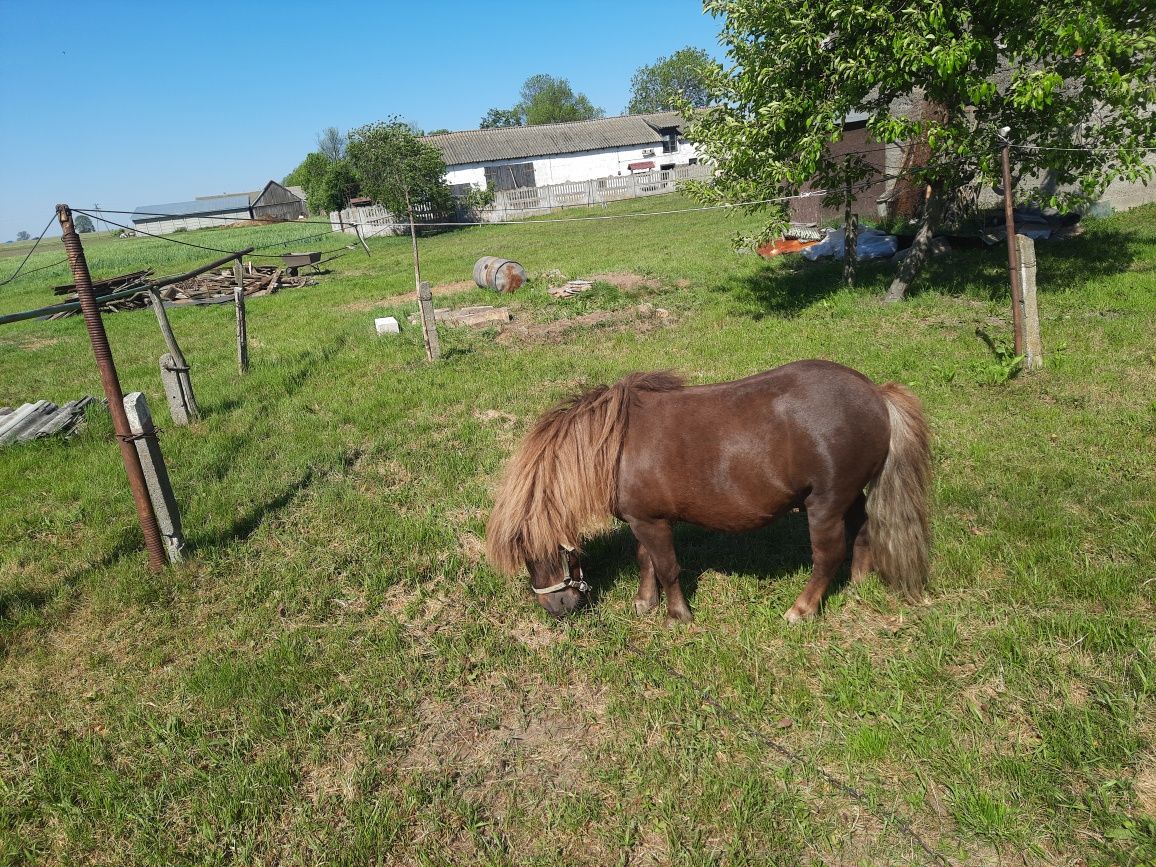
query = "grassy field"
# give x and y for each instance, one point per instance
(336, 676)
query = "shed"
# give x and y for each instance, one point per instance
(277, 202)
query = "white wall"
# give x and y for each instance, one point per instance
(582, 166)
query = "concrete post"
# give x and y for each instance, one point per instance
(160, 490)
(433, 347)
(242, 325)
(1033, 346)
(175, 394)
(176, 362)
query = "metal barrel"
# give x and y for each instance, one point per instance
(502, 275)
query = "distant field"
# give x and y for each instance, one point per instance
(336, 676)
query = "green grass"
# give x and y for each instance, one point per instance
(336, 676)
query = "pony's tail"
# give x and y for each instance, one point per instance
(899, 530)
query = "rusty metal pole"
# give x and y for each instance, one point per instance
(1012, 258)
(108, 379)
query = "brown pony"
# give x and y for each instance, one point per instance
(731, 456)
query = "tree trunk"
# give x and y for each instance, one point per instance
(850, 238)
(913, 263)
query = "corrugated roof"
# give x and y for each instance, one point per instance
(151, 213)
(548, 139)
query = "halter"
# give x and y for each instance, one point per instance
(567, 579)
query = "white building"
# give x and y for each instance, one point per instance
(517, 157)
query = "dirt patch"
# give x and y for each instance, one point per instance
(473, 548)
(624, 280)
(640, 320)
(406, 297)
(39, 343)
(495, 415)
(1145, 786)
(493, 725)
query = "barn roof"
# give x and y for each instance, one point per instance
(549, 139)
(196, 208)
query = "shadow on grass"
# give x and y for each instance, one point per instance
(294, 376)
(22, 608)
(248, 522)
(771, 553)
(789, 287)
(784, 288)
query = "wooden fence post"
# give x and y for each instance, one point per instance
(156, 476)
(1033, 346)
(242, 326)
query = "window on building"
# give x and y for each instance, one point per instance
(670, 143)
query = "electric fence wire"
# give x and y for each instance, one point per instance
(39, 238)
(34, 270)
(1032, 147)
(151, 235)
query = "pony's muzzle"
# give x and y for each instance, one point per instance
(564, 602)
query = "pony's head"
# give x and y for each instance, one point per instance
(560, 486)
(558, 582)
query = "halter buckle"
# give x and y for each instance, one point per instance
(568, 580)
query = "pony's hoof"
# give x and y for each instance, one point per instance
(795, 614)
(644, 606)
(678, 618)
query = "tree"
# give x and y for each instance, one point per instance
(544, 99)
(310, 175)
(1074, 81)
(84, 224)
(337, 186)
(405, 175)
(331, 143)
(23, 236)
(497, 117)
(671, 83)
(397, 169)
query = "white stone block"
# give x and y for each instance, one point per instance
(387, 325)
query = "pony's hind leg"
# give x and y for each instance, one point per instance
(859, 533)
(828, 545)
(658, 540)
(646, 600)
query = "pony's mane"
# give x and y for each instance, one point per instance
(562, 481)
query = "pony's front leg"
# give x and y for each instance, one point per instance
(658, 540)
(646, 600)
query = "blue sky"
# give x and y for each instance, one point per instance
(130, 103)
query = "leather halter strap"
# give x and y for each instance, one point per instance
(568, 580)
